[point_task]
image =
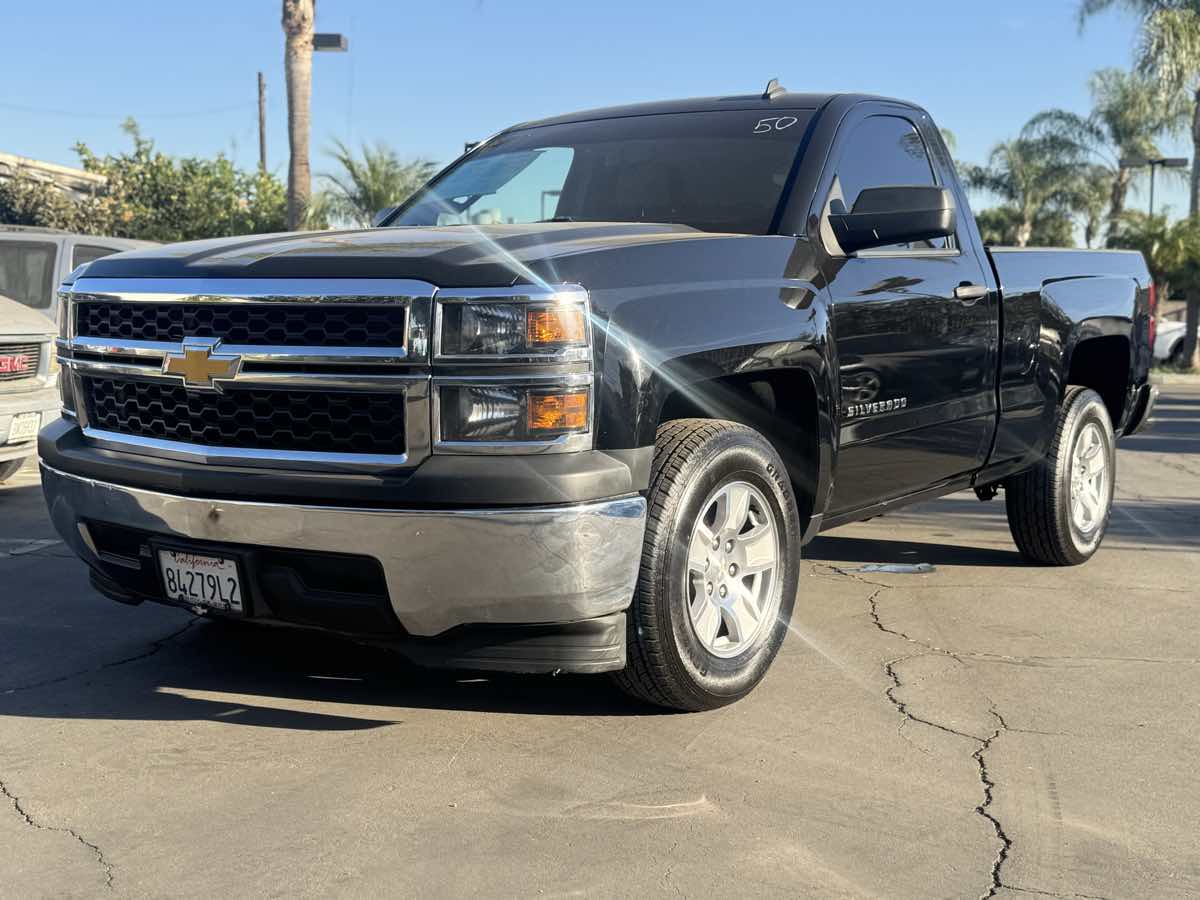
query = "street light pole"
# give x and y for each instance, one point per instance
(262, 123)
(1166, 162)
(1153, 169)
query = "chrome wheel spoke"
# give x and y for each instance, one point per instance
(732, 555)
(755, 549)
(706, 619)
(733, 504)
(699, 549)
(741, 616)
(1089, 478)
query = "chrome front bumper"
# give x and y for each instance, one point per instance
(443, 567)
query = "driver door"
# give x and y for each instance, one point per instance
(915, 336)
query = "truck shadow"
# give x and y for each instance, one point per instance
(280, 678)
(843, 548)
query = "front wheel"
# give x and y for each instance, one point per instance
(719, 571)
(1058, 511)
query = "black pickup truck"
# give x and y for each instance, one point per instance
(580, 402)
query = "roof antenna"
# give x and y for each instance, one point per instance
(774, 89)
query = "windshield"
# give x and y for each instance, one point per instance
(714, 171)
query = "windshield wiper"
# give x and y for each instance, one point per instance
(555, 219)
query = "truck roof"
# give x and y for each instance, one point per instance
(780, 99)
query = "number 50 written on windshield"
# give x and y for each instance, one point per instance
(774, 123)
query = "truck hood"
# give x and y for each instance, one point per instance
(18, 320)
(448, 256)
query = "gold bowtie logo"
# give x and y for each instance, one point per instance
(198, 363)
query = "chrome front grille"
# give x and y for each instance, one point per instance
(280, 373)
(277, 324)
(284, 421)
(20, 361)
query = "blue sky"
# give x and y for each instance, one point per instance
(425, 77)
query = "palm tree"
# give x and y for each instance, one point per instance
(1169, 51)
(368, 184)
(1129, 112)
(998, 227)
(1094, 204)
(298, 18)
(1172, 251)
(1034, 176)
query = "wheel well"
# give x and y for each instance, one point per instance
(1102, 364)
(781, 405)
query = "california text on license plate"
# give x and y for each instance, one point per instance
(201, 580)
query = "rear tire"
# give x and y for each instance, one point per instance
(1058, 511)
(720, 567)
(1176, 357)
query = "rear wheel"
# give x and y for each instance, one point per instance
(720, 566)
(1176, 357)
(1058, 511)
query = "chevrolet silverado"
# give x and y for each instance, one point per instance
(579, 403)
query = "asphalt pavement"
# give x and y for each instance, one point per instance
(969, 727)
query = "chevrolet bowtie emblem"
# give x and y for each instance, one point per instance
(198, 363)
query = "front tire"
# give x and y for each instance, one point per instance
(1058, 511)
(720, 567)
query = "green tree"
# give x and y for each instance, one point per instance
(152, 196)
(1093, 206)
(367, 184)
(1169, 52)
(1034, 177)
(1129, 113)
(998, 226)
(26, 200)
(1172, 251)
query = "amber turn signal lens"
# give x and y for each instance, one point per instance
(556, 325)
(558, 412)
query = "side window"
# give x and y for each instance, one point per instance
(27, 272)
(885, 151)
(85, 253)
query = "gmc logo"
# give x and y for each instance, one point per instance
(14, 362)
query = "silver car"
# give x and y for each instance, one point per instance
(28, 382)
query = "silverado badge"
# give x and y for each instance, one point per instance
(198, 363)
(857, 410)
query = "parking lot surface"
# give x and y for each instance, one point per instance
(974, 726)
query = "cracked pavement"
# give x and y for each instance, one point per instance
(984, 729)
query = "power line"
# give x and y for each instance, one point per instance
(89, 114)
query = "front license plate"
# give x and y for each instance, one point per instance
(24, 427)
(201, 580)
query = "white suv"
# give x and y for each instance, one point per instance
(34, 261)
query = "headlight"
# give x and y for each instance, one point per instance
(513, 413)
(64, 315)
(482, 338)
(522, 328)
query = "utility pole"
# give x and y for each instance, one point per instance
(262, 123)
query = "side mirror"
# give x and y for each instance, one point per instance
(383, 214)
(893, 215)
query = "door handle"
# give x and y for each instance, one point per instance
(969, 293)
